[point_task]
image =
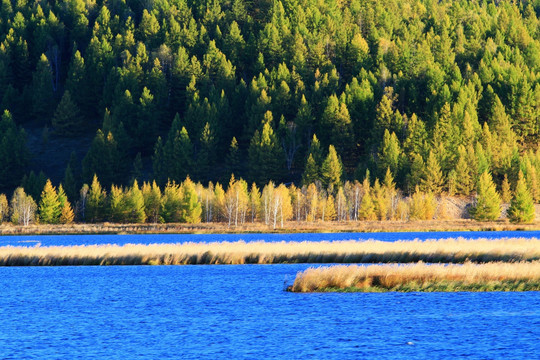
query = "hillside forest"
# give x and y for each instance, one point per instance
(330, 99)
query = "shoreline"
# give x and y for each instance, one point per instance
(289, 227)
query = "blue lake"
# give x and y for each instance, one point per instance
(242, 312)
(48, 240)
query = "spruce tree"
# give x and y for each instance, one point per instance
(488, 202)
(521, 208)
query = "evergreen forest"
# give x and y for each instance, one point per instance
(333, 97)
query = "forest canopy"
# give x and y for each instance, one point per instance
(436, 92)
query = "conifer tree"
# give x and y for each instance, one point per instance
(488, 202)
(367, 208)
(390, 155)
(103, 159)
(191, 206)
(330, 209)
(66, 211)
(135, 205)
(506, 193)
(432, 180)
(49, 206)
(152, 201)
(95, 203)
(265, 155)
(171, 204)
(331, 169)
(521, 208)
(14, 155)
(67, 119)
(233, 162)
(464, 182)
(70, 184)
(42, 91)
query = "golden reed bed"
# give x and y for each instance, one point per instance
(523, 276)
(434, 251)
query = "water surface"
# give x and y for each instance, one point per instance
(49, 240)
(241, 312)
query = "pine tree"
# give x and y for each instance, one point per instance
(488, 202)
(49, 206)
(521, 208)
(67, 119)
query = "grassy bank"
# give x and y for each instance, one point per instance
(289, 227)
(497, 276)
(434, 251)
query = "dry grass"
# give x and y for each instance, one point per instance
(524, 276)
(434, 251)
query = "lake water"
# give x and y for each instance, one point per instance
(48, 240)
(242, 312)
